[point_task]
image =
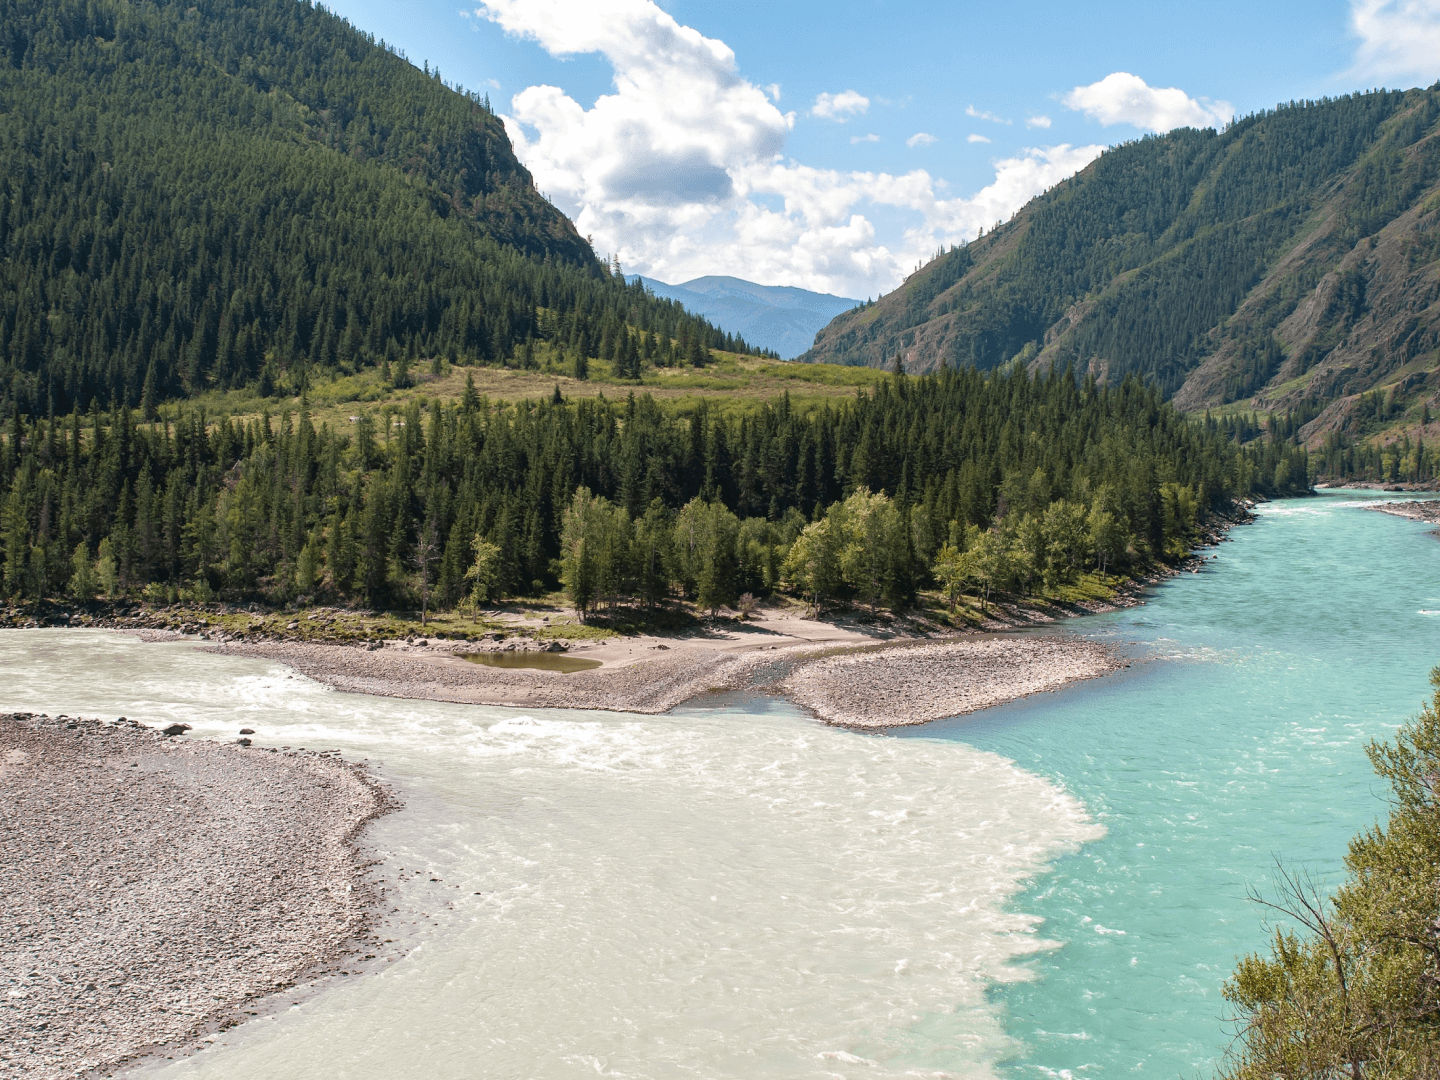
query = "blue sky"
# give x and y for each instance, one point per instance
(833, 146)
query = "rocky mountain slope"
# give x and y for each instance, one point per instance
(1290, 260)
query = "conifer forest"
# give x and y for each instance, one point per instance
(282, 199)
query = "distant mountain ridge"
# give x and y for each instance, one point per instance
(1292, 259)
(779, 317)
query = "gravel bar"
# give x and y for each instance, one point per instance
(154, 886)
(650, 686)
(915, 684)
(868, 686)
(1415, 509)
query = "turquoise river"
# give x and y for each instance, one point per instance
(1056, 888)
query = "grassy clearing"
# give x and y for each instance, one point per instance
(338, 624)
(1091, 586)
(733, 383)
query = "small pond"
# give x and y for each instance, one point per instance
(536, 661)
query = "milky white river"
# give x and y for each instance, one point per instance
(723, 892)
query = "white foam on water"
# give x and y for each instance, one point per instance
(1290, 509)
(709, 894)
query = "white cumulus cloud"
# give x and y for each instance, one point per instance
(979, 114)
(869, 136)
(1037, 121)
(920, 138)
(680, 170)
(679, 115)
(839, 107)
(1399, 39)
(1017, 181)
(976, 138)
(1122, 98)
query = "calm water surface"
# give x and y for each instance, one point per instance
(565, 665)
(1056, 889)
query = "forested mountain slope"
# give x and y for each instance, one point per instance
(198, 195)
(1293, 257)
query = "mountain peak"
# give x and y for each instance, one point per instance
(779, 317)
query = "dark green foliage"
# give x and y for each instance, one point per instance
(225, 193)
(1401, 460)
(277, 509)
(1354, 990)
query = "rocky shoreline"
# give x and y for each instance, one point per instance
(1415, 509)
(870, 686)
(157, 889)
(1377, 485)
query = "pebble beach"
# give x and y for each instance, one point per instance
(894, 684)
(916, 684)
(155, 888)
(1415, 509)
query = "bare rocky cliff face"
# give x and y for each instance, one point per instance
(1290, 261)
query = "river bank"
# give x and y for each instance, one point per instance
(156, 889)
(832, 667)
(853, 684)
(769, 651)
(1415, 509)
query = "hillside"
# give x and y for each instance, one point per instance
(1292, 259)
(235, 236)
(202, 196)
(777, 317)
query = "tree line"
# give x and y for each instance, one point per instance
(958, 479)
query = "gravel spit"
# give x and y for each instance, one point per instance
(1415, 509)
(902, 686)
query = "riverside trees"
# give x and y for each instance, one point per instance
(1355, 992)
(858, 547)
(1039, 477)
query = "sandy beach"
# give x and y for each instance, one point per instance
(156, 888)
